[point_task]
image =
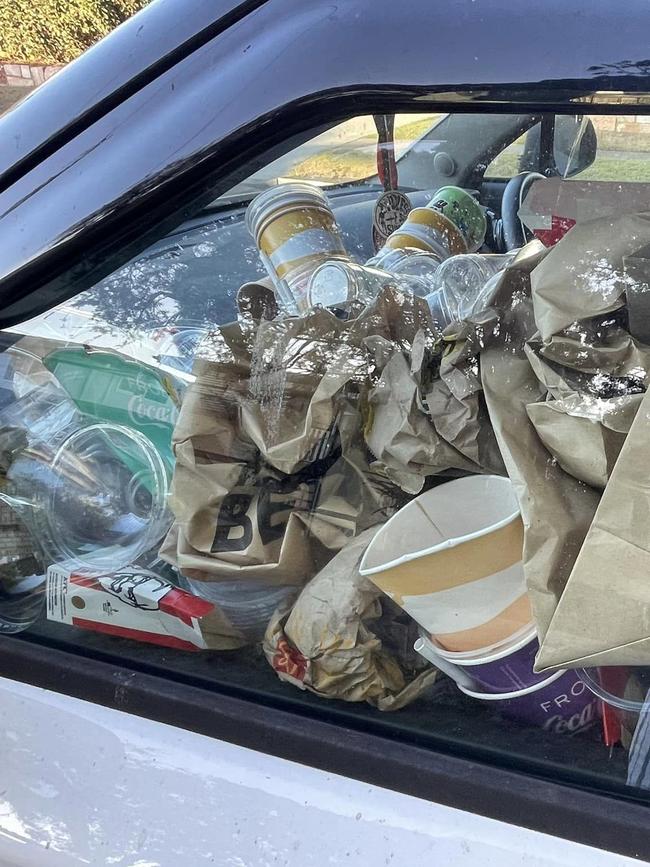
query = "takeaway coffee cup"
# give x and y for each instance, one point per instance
(561, 703)
(451, 558)
(507, 667)
(430, 231)
(464, 211)
(295, 231)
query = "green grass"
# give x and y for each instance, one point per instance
(616, 169)
(603, 169)
(413, 130)
(337, 166)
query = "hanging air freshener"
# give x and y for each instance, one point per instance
(393, 206)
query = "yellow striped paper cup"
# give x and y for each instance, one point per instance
(452, 559)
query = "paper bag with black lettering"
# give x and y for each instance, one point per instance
(345, 639)
(272, 475)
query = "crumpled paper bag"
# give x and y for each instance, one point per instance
(584, 275)
(402, 434)
(603, 615)
(330, 643)
(556, 508)
(299, 433)
(563, 390)
(272, 475)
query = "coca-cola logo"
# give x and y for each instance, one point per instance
(565, 722)
(142, 410)
(575, 723)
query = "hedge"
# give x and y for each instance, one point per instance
(56, 31)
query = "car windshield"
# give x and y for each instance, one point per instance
(343, 154)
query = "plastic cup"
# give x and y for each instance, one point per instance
(462, 281)
(464, 212)
(248, 605)
(94, 496)
(561, 703)
(507, 667)
(417, 263)
(440, 313)
(430, 231)
(451, 558)
(408, 261)
(624, 692)
(295, 231)
(339, 284)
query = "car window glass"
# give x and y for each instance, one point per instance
(508, 162)
(355, 438)
(343, 154)
(623, 145)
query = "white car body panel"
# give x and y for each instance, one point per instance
(83, 784)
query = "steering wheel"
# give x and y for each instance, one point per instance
(514, 233)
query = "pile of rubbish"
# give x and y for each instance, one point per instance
(431, 463)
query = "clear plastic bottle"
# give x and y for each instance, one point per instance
(462, 285)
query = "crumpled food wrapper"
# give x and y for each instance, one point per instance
(344, 639)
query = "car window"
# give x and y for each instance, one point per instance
(508, 162)
(623, 145)
(343, 154)
(335, 443)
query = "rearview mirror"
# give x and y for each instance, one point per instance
(574, 144)
(574, 147)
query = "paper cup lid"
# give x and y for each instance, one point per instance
(505, 696)
(294, 194)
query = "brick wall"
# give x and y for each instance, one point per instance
(17, 79)
(25, 74)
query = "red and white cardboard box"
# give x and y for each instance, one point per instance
(130, 603)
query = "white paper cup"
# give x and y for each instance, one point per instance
(451, 558)
(295, 231)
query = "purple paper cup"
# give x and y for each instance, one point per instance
(506, 668)
(561, 704)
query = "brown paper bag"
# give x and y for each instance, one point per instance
(272, 475)
(594, 371)
(584, 421)
(584, 275)
(556, 508)
(330, 641)
(402, 435)
(602, 617)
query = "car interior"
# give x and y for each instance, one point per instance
(187, 283)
